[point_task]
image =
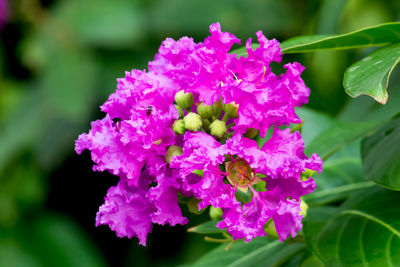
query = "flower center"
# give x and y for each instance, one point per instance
(239, 172)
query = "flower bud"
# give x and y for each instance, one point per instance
(193, 206)
(206, 124)
(251, 133)
(307, 174)
(179, 127)
(192, 121)
(218, 128)
(215, 213)
(304, 208)
(217, 109)
(205, 111)
(184, 100)
(270, 229)
(231, 110)
(180, 111)
(297, 127)
(172, 151)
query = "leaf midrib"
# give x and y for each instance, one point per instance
(372, 218)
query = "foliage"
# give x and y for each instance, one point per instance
(59, 60)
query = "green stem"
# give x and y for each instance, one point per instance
(216, 240)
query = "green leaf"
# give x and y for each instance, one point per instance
(101, 22)
(23, 127)
(59, 241)
(370, 76)
(315, 122)
(338, 180)
(381, 155)
(68, 73)
(315, 221)
(209, 227)
(258, 252)
(378, 35)
(365, 232)
(337, 137)
(13, 254)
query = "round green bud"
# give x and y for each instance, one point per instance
(215, 213)
(304, 208)
(192, 122)
(184, 100)
(172, 151)
(270, 229)
(231, 110)
(218, 128)
(251, 133)
(193, 206)
(180, 111)
(206, 124)
(205, 111)
(179, 127)
(217, 109)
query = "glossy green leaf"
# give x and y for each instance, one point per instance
(381, 155)
(365, 232)
(339, 179)
(315, 221)
(209, 227)
(314, 123)
(259, 252)
(370, 76)
(337, 137)
(378, 35)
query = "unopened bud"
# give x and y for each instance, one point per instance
(180, 111)
(218, 128)
(217, 109)
(172, 151)
(231, 110)
(179, 127)
(193, 206)
(303, 208)
(270, 229)
(307, 174)
(205, 111)
(215, 213)
(251, 133)
(184, 100)
(192, 121)
(206, 125)
(297, 127)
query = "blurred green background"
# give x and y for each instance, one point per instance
(59, 60)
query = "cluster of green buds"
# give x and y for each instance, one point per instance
(206, 118)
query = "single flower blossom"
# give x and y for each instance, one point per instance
(184, 128)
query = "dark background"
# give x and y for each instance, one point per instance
(59, 60)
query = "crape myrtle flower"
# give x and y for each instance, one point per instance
(185, 129)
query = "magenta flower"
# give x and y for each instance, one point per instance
(186, 126)
(278, 163)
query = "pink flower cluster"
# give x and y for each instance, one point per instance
(132, 140)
